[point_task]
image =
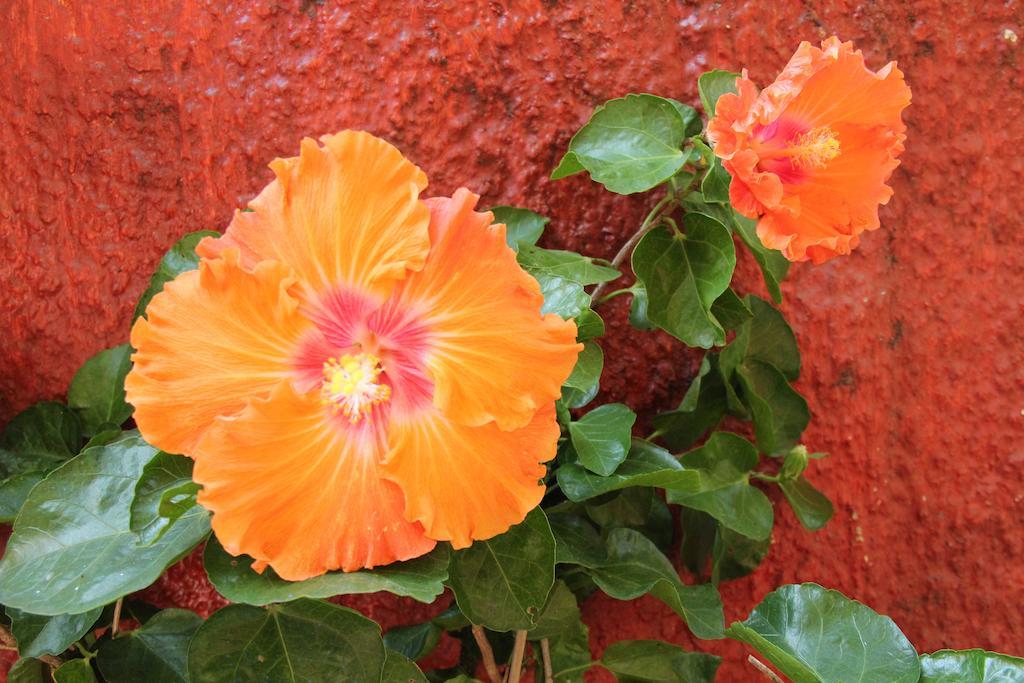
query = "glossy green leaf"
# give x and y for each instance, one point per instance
(723, 464)
(75, 671)
(647, 465)
(584, 381)
(774, 266)
(179, 259)
(413, 642)
(602, 436)
(635, 567)
(304, 640)
(39, 438)
(640, 508)
(400, 669)
(97, 389)
(589, 325)
(503, 582)
(569, 165)
(156, 653)
(522, 226)
(48, 635)
(780, 413)
(421, 579)
(452, 619)
(715, 185)
(13, 492)
(811, 506)
(73, 549)
(692, 124)
(559, 614)
(684, 276)
(576, 539)
(164, 494)
(713, 84)
(629, 145)
(638, 309)
(28, 670)
(971, 666)
(567, 265)
(766, 337)
(699, 531)
(730, 310)
(564, 298)
(814, 635)
(702, 408)
(734, 555)
(640, 661)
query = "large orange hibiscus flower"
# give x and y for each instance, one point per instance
(356, 372)
(810, 154)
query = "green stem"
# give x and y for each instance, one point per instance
(611, 295)
(84, 651)
(765, 477)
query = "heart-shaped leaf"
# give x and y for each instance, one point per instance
(602, 436)
(156, 653)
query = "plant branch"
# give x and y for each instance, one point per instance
(768, 673)
(490, 665)
(627, 248)
(516, 666)
(115, 625)
(545, 653)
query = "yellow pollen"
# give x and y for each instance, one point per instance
(350, 385)
(815, 148)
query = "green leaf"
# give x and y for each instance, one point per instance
(780, 413)
(564, 298)
(601, 437)
(971, 666)
(730, 310)
(179, 259)
(28, 670)
(399, 669)
(774, 265)
(559, 615)
(13, 492)
(75, 671)
(589, 325)
(156, 653)
(629, 145)
(522, 226)
(702, 408)
(640, 508)
(97, 389)
(724, 464)
(413, 642)
(584, 381)
(766, 337)
(576, 540)
(811, 506)
(684, 276)
(700, 530)
(692, 125)
(647, 465)
(713, 84)
(42, 635)
(305, 640)
(813, 635)
(638, 661)
(635, 567)
(164, 494)
(421, 579)
(638, 309)
(39, 438)
(715, 185)
(570, 653)
(503, 583)
(73, 549)
(569, 165)
(567, 265)
(735, 555)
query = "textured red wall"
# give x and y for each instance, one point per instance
(125, 125)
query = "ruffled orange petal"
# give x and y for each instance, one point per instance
(469, 483)
(492, 355)
(300, 489)
(346, 214)
(728, 129)
(214, 337)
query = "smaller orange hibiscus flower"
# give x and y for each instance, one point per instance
(810, 154)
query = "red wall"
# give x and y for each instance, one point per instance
(127, 124)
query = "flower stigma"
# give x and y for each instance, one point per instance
(814, 148)
(350, 385)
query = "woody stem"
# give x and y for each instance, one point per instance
(490, 665)
(768, 673)
(518, 650)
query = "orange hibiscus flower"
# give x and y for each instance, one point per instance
(357, 373)
(810, 154)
